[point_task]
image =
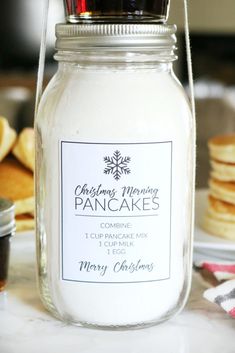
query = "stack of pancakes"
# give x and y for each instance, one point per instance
(220, 216)
(16, 172)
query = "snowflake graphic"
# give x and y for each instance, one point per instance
(117, 165)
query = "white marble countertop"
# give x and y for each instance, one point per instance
(25, 326)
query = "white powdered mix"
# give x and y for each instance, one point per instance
(116, 106)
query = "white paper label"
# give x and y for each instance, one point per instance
(115, 211)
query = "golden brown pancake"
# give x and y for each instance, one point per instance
(220, 216)
(24, 148)
(224, 229)
(222, 148)
(223, 140)
(16, 183)
(220, 209)
(223, 171)
(24, 222)
(7, 138)
(221, 190)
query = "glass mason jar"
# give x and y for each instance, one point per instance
(114, 178)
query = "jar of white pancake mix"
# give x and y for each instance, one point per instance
(114, 178)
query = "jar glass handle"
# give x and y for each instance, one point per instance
(42, 54)
(191, 93)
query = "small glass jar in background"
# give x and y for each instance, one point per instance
(116, 11)
(7, 229)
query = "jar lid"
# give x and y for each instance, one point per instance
(82, 36)
(7, 217)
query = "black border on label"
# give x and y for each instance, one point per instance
(62, 213)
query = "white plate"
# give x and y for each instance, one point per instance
(213, 255)
(203, 240)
